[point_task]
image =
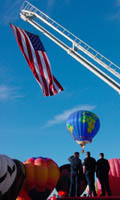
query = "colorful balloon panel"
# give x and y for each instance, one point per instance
(53, 173)
(42, 175)
(114, 177)
(83, 126)
(64, 180)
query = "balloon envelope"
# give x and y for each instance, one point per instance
(83, 126)
(114, 177)
(42, 175)
(64, 180)
(12, 175)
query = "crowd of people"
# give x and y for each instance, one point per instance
(89, 167)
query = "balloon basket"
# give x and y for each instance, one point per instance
(82, 151)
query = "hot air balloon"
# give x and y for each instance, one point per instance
(64, 180)
(114, 177)
(42, 175)
(83, 126)
(12, 175)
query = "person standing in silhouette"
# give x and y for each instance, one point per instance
(76, 171)
(102, 173)
(89, 168)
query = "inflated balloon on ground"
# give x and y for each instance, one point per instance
(114, 177)
(12, 176)
(42, 175)
(64, 180)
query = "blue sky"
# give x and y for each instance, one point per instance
(34, 125)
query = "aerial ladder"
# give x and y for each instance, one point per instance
(75, 47)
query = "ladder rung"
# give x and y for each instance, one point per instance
(81, 45)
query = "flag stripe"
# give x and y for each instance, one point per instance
(57, 84)
(50, 79)
(37, 59)
(18, 34)
(26, 50)
(42, 74)
(30, 58)
(34, 64)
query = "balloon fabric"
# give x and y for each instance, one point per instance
(64, 180)
(12, 176)
(83, 126)
(114, 177)
(42, 175)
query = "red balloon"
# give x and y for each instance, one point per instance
(23, 196)
(114, 177)
(64, 180)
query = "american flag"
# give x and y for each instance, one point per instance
(36, 57)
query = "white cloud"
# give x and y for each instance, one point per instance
(115, 15)
(51, 3)
(67, 1)
(7, 93)
(11, 11)
(118, 3)
(63, 116)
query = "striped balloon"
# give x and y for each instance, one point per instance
(42, 175)
(114, 177)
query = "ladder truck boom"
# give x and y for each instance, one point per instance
(33, 15)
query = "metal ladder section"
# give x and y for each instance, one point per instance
(32, 14)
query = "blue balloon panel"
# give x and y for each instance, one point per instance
(83, 125)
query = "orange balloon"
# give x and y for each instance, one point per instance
(42, 175)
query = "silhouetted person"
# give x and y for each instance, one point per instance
(76, 171)
(89, 168)
(102, 172)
